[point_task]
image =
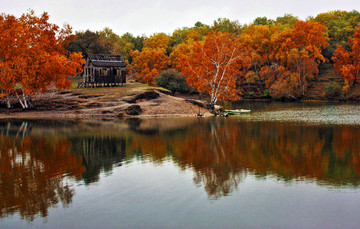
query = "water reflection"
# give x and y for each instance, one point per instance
(36, 158)
(32, 172)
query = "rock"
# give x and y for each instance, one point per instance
(133, 110)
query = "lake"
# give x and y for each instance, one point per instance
(285, 165)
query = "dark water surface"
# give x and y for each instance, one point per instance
(282, 166)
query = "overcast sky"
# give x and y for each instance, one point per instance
(147, 17)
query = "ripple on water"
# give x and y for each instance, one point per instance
(343, 114)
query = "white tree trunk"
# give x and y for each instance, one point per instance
(8, 102)
(21, 102)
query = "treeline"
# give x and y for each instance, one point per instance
(280, 58)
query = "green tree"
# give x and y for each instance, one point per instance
(286, 21)
(172, 80)
(263, 21)
(225, 25)
(88, 42)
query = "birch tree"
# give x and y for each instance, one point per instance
(214, 65)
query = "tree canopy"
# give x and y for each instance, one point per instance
(33, 57)
(278, 56)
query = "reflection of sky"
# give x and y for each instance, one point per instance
(327, 114)
(144, 195)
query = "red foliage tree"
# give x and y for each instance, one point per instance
(33, 57)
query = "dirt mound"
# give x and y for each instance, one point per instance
(149, 95)
(151, 103)
(196, 102)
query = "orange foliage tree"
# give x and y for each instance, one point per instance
(300, 53)
(153, 59)
(347, 63)
(286, 60)
(33, 57)
(259, 39)
(214, 65)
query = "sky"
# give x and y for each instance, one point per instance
(141, 17)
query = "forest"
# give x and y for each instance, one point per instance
(282, 59)
(277, 59)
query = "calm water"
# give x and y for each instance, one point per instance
(283, 166)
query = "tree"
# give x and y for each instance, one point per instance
(341, 25)
(89, 42)
(172, 80)
(214, 65)
(225, 25)
(259, 39)
(263, 21)
(148, 63)
(157, 41)
(299, 52)
(286, 21)
(347, 63)
(32, 56)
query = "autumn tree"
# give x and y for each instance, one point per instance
(214, 65)
(341, 25)
(33, 57)
(157, 41)
(347, 63)
(298, 53)
(260, 40)
(152, 59)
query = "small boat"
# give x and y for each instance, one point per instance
(237, 111)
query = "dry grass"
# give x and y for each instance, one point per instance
(127, 89)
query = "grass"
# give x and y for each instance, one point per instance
(127, 89)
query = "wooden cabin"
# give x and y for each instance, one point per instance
(104, 70)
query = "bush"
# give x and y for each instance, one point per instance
(173, 81)
(266, 92)
(332, 90)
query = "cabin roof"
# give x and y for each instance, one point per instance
(104, 63)
(106, 60)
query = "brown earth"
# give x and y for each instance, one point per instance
(71, 104)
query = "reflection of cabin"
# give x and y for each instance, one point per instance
(104, 70)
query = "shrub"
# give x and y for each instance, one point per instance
(173, 81)
(266, 92)
(332, 90)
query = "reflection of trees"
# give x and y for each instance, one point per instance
(221, 151)
(99, 153)
(32, 172)
(210, 151)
